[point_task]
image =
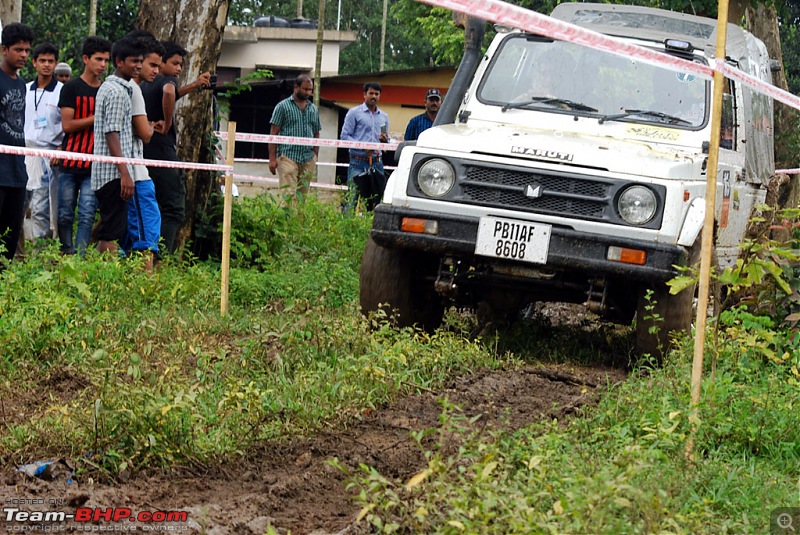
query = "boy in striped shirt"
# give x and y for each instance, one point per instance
(77, 120)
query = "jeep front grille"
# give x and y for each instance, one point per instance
(577, 196)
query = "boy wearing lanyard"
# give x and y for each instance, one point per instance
(43, 130)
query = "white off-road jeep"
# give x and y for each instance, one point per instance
(557, 172)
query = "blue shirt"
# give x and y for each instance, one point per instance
(416, 126)
(360, 124)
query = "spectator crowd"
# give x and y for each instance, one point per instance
(128, 113)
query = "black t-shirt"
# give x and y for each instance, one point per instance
(80, 96)
(161, 146)
(12, 130)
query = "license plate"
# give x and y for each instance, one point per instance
(515, 240)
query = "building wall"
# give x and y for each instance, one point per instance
(247, 48)
(402, 98)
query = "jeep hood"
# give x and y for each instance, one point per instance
(633, 157)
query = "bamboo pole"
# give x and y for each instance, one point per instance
(92, 17)
(383, 31)
(318, 58)
(707, 244)
(226, 220)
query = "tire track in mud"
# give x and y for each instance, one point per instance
(292, 485)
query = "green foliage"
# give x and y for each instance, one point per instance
(767, 276)
(66, 25)
(241, 85)
(267, 229)
(790, 44)
(405, 47)
(424, 22)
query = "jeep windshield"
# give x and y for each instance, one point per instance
(533, 73)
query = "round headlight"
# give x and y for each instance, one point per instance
(436, 177)
(637, 205)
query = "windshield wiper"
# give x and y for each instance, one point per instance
(554, 101)
(648, 113)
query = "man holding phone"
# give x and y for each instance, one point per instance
(368, 123)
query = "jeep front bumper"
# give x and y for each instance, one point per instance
(569, 250)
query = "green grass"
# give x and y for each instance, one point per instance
(619, 469)
(147, 373)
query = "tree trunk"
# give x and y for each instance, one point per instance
(736, 10)
(197, 25)
(10, 11)
(762, 22)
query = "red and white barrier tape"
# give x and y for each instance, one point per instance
(517, 17)
(309, 141)
(787, 171)
(254, 178)
(326, 164)
(78, 156)
(759, 85)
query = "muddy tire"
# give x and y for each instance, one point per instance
(400, 282)
(675, 313)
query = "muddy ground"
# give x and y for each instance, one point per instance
(292, 486)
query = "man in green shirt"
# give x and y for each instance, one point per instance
(295, 116)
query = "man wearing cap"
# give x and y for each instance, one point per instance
(423, 121)
(63, 72)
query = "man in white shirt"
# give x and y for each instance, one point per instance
(43, 130)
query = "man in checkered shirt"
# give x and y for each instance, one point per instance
(113, 183)
(295, 116)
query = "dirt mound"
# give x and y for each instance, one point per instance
(292, 485)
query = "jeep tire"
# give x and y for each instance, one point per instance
(400, 282)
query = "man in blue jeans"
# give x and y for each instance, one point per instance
(365, 122)
(77, 119)
(16, 46)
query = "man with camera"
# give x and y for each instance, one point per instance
(295, 116)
